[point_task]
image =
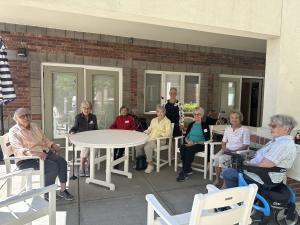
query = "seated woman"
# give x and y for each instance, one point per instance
(84, 121)
(279, 152)
(159, 127)
(236, 137)
(122, 122)
(196, 134)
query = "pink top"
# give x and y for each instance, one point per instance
(23, 140)
(237, 138)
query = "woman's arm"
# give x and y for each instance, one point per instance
(75, 127)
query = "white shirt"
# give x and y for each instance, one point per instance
(237, 138)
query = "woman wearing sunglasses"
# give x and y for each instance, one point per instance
(196, 134)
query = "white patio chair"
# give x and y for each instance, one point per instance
(28, 205)
(10, 167)
(239, 199)
(159, 147)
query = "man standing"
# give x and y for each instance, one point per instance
(28, 139)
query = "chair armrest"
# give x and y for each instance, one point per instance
(16, 173)
(178, 137)
(21, 157)
(162, 138)
(160, 210)
(28, 194)
(215, 143)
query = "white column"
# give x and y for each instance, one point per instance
(282, 80)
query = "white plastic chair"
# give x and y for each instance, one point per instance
(239, 199)
(7, 152)
(204, 155)
(159, 147)
(28, 205)
(69, 150)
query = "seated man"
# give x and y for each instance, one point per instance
(29, 140)
(279, 152)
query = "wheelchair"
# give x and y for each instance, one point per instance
(274, 202)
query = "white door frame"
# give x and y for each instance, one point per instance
(84, 67)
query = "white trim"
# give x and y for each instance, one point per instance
(84, 67)
(163, 80)
(241, 76)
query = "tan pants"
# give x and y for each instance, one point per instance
(222, 160)
(148, 149)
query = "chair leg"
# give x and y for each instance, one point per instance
(169, 152)
(98, 155)
(158, 161)
(176, 161)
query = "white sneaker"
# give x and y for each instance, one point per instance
(149, 168)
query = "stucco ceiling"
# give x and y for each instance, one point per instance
(44, 14)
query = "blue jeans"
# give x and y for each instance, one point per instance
(230, 177)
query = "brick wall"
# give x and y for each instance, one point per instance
(52, 45)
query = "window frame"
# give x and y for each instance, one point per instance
(163, 84)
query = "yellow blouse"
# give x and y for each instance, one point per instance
(159, 128)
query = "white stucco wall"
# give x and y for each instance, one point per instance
(282, 82)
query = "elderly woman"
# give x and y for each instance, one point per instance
(160, 126)
(122, 122)
(236, 137)
(174, 112)
(279, 152)
(84, 121)
(196, 134)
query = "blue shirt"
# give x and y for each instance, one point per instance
(196, 133)
(281, 151)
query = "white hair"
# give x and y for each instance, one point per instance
(284, 121)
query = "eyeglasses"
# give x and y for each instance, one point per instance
(197, 114)
(25, 115)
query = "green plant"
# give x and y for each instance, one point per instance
(189, 107)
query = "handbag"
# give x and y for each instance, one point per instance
(141, 163)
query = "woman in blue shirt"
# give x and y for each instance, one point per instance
(196, 134)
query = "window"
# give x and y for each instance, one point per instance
(158, 84)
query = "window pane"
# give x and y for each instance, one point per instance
(153, 88)
(231, 93)
(104, 99)
(64, 103)
(172, 81)
(192, 90)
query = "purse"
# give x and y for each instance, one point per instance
(141, 163)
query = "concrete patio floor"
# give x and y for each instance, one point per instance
(96, 205)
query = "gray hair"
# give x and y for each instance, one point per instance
(86, 103)
(241, 117)
(19, 112)
(173, 89)
(161, 108)
(200, 110)
(284, 121)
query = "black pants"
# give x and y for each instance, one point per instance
(118, 153)
(188, 154)
(55, 165)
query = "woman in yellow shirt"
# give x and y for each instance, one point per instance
(160, 126)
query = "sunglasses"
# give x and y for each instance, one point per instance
(273, 126)
(25, 115)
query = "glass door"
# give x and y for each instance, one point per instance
(230, 94)
(102, 89)
(63, 92)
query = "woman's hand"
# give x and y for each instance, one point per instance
(189, 143)
(42, 155)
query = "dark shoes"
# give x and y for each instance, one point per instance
(66, 195)
(182, 177)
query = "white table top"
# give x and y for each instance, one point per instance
(109, 138)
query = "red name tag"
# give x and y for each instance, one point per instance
(126, 121)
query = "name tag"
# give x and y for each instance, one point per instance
(205, 130)
(91, 122)
(126, 121)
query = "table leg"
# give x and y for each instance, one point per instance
(126, 163)
(91, 179)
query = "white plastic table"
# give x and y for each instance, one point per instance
(108, 139)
